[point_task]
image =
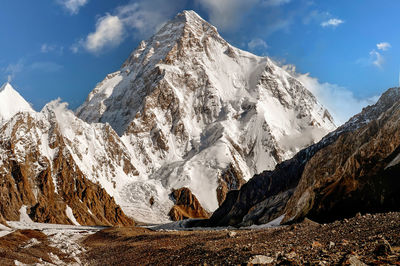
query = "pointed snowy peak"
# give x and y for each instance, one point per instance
(11, 102)
(190, 17)
(5, 86)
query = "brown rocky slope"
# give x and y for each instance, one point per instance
(186, 206)
(351, 169)
(48, 186)
(370, 239)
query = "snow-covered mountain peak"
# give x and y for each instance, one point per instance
(196, 112)
(11, 102)
(191, 19)
(6, 85)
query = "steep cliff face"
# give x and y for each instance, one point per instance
(196, 112)
(351, 169)
(357, 173)
(39, 174)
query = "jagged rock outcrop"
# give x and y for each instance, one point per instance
(351, 169)
(230, 179)
(40, 171)
(186, 206)
(196, 112)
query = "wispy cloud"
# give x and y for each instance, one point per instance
(73, 6)
(46, 66)
(14, 69)
(376, 57)
(384, 46)
(257, 43)
(316, 16)
(275, 2)
(333, 23)
(225, 14)
(340, 101)
(51, 48)
(140, 19)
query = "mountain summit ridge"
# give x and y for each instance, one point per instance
(196, 112)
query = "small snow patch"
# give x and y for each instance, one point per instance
(23, 216)
(70, 215)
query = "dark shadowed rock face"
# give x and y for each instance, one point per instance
(352, 169)
(186, 206)
(358, 173)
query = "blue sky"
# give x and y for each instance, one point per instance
(62, 48)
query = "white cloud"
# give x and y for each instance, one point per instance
(109, 32)
(13, 69)
(45, 66)
(51, 48)
(340, 102)
(384, 46)
(275, 2)
(139, 19)
(146, 16)
(76, 46)
(376, 58)
(316, 16)
(73, 6)
(257, 43)
(333, 22)
(225, 13)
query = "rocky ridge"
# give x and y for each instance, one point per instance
(351, 169)
(42, 172)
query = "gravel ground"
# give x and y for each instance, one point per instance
(370, 239)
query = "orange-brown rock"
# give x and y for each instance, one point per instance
(186, 206)
(47, 187)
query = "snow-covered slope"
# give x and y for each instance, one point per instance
(57, 165)
(194, 111)
(11, 102)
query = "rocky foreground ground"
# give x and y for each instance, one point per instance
(370, 239)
